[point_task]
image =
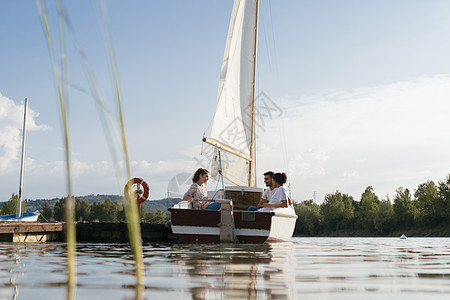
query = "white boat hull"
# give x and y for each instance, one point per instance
(283, 225)
(24, 217)
(190, 225)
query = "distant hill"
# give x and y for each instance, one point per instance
(151, 205)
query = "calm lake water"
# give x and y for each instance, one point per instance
(306, 268)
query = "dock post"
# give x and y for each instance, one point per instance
(226, 221)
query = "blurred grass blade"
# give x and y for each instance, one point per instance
(69, 217)
(131, 208)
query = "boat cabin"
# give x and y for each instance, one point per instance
(242, 196)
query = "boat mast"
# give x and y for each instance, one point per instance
(19, 201)
(252, 162)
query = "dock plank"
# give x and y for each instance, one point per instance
(27, 227)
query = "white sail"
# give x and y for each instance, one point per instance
(234, 124)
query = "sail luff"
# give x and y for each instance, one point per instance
(234, 120)
(226, 56)
(252, 163)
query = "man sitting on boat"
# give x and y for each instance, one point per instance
(278, 196)
(268, 181)
(197, 191)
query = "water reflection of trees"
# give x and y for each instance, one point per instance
(226, 271)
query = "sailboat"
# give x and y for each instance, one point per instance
(22, 216)
(233, 134)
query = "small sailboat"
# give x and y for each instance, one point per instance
(22, 216)
(403, 237)
(233, 133)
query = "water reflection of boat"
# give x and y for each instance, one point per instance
(233, 132)
(225, 271)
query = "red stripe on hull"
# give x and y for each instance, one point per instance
(259, 220)
(211, 218)
(195, 217)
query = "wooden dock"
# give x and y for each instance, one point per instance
(35, 232)
(31, 232)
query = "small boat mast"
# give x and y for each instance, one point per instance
(19, 201)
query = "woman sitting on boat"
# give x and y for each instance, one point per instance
(279, 196)
(197, 191)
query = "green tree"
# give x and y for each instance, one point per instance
(142, 212)
(104, 212)
(155, 217)
(403, 209)
(348, 213)
(384, 217)
(58, 210)
(10, 207)
(109, 211)
(368, 209)
(426, 199)
(444, 201)
(120, 213)
(46, 213)
(337, 211)
(82, 210)
(96, 212)
(308, 221)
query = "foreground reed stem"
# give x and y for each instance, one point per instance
(60, 88)
(130, 206)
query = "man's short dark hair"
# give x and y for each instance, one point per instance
(269, 173)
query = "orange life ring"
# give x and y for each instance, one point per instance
(141, 196)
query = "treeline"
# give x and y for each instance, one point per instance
(38, 204)
(105, 211)
(427, 211)
(151, 205)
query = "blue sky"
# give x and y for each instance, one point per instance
(363, 89)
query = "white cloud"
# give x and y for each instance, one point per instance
(49, 180)
(161, 166)
(11, 123)
(385, 136)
